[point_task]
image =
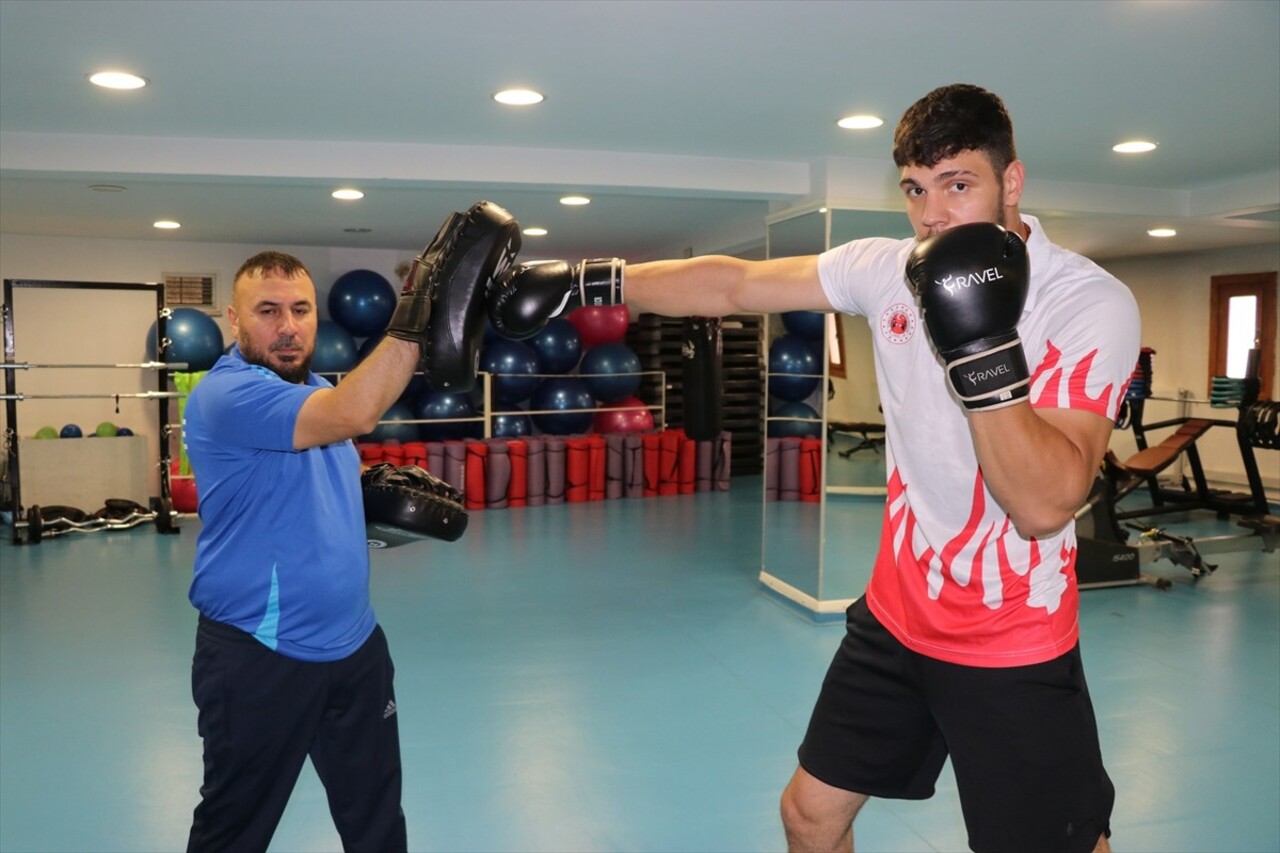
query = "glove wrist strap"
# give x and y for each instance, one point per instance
(993, 378)
(602, 281)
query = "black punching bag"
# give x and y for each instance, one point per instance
(701, 354)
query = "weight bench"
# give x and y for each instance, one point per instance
(871, 435)
(1144, 465)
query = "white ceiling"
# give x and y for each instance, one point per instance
(687, 123)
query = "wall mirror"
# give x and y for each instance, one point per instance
(818, 546)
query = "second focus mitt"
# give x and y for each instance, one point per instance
(408, 504)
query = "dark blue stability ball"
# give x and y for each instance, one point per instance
(398, 432)
(196, 340)
(560, 396)
(417, 388)
(71, 431)
(810, 325)
(362, 301)
(335, 349)
(794, 369)
(796, 429)
(559, 346)
(617, 370)
(442, 405)
(514, 366)
(512, 425)
(368, 345)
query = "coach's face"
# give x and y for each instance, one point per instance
(273, 319)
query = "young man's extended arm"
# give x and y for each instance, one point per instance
(717, 285)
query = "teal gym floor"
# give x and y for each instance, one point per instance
(602, 677)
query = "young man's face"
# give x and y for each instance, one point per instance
(960, 190)
(273, 319)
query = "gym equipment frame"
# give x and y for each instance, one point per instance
(28, 523)
(1107, 558)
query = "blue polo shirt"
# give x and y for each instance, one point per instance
(282, 553)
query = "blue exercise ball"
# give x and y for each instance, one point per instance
(794, 369)
(415, 390)
(559, 346)
(796, 429)
(195, 338)
(616, 370)
(398, 432)
(810, 325)
(514, 366)
(362, 301)
(335, 349)
(368, 345)
(442, 406)
(71, 431)
(512, 425)
(569, 404)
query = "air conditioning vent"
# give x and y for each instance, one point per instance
(189, 290)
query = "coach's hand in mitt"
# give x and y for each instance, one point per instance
(442, 305)
(408, 504)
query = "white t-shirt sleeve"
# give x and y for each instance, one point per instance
(854, 274)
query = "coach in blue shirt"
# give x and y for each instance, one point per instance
(289, 658)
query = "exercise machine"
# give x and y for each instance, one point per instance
(1109, 555)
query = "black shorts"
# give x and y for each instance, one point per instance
(1023, 740)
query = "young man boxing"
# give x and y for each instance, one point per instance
(1001, 360)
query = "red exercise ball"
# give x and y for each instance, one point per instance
(634, 416)
(182, 490)
(606, 325)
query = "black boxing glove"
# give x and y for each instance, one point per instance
(441, 307)
(529, 295)
(971, 282)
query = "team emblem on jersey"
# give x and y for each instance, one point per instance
(898, 323)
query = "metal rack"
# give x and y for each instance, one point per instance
(161, 510)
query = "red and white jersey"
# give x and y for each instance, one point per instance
(953, 579)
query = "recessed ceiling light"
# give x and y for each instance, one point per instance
(534, 232)
(348, 194)
(518, 97)
(117, 80)
(575, 200)
(860, 122)
(168, 224)
(358, 230)
(1134, 146)
(1163, 232)
(106, 188)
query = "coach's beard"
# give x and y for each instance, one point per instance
(285, 357)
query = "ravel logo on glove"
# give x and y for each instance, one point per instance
(953, 283)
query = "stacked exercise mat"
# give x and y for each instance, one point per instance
(497, 473)
(793, 469)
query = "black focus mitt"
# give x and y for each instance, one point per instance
(407, 504)
(442, 304)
